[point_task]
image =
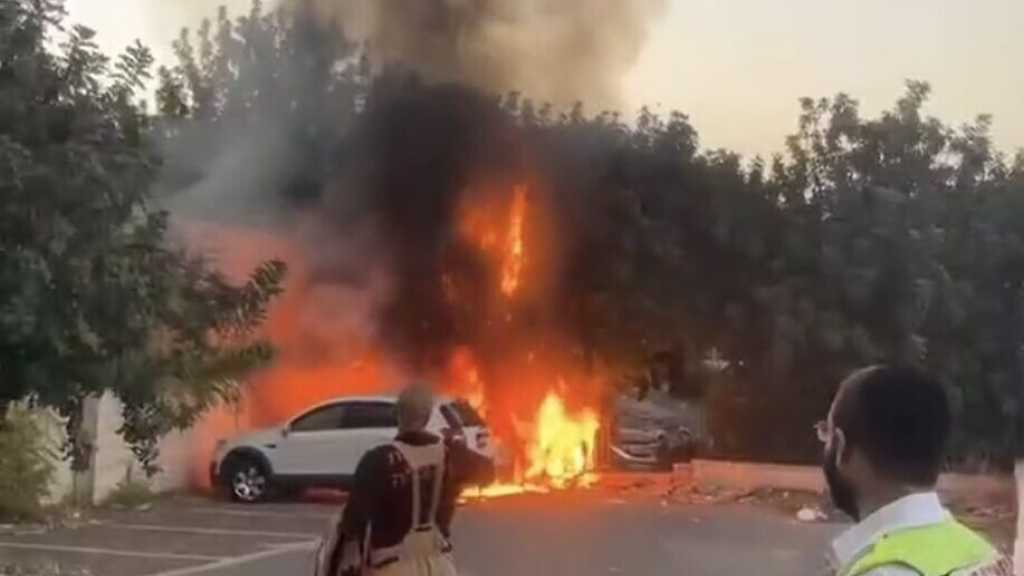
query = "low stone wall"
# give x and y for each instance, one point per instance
(749, 476)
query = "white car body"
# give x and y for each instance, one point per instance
(322, 446)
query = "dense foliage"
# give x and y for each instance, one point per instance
(896, 238)
(94, 298)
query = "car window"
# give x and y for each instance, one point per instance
(323, 418)
(370, 415)
(467, 414)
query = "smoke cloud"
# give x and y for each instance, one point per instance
(558, 51)
(365, 187)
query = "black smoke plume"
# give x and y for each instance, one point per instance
(361, 151)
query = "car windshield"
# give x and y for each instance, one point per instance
(467, 414)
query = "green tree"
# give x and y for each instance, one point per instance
(93, 296)
(906, 255)
(267, 77)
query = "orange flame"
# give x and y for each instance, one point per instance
(561, 453)
(562, 450)
(326, 350)
(515, 256)
(464, 380)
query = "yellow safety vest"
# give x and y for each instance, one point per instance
(934, 550)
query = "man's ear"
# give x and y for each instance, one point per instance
(839, 439)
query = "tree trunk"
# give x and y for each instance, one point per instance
(81, 430)
(1018, 547)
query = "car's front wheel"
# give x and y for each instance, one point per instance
(247, 479)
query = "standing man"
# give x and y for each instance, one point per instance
(398, 517)
(885, 439)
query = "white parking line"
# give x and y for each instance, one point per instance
(110, 552)
(258, 514)
(210, 531)
(228, 562)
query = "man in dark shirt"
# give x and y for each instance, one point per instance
(398, 517)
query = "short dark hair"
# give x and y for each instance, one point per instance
(900, 418)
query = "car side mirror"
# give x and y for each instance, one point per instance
(286, 431)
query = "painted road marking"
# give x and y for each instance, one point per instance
(210, 531)
(248, 514)
(110, 552)
(229, 562)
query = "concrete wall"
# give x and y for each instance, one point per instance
(175, 463)
(746, 476)
(114, 461)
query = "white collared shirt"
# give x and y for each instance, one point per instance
(914, 511)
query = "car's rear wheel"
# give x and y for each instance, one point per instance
(247, 479)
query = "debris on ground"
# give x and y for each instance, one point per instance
(993, 515)
(694, 494)
(992, 512)
(680, 489)
(788, 501)
(809, 514)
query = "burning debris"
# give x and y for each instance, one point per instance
(562, 450)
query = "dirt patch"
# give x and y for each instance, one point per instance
(995, 516)
(992, 514)
(680, 489)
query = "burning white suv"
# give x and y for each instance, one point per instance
(322, 446)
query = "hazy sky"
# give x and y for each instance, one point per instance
(737, 67)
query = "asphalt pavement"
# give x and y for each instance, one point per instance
(590, 533)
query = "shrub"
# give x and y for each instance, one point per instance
(27, 465)
(130, 494)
